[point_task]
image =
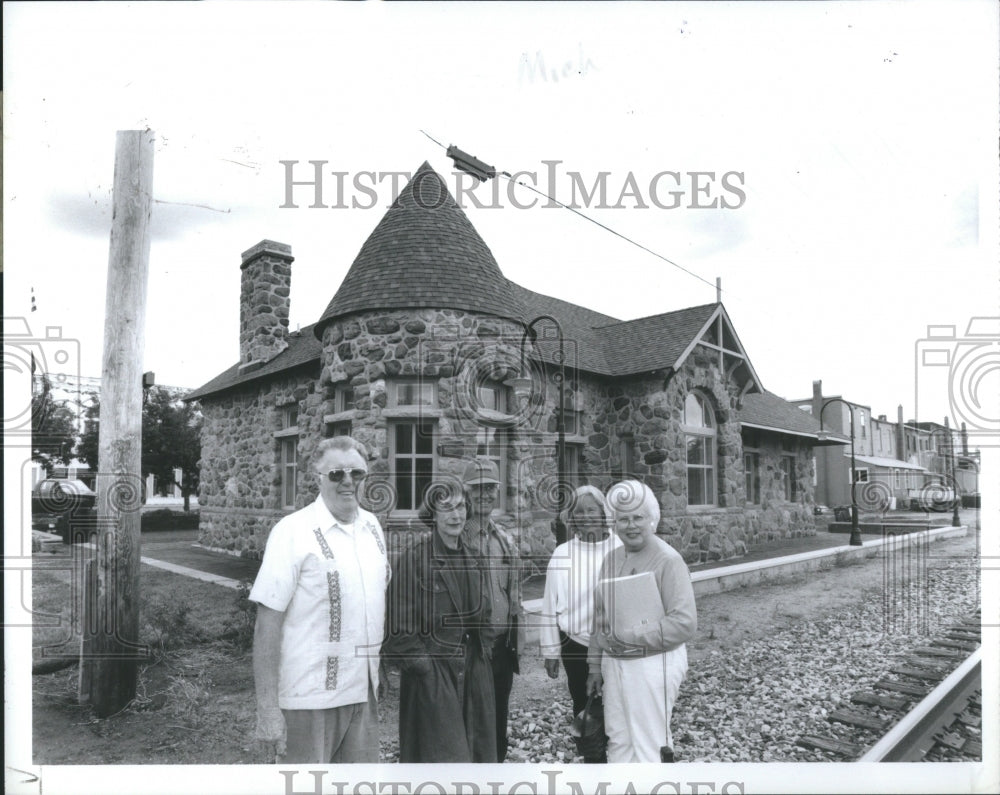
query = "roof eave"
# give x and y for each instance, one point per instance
(821, 440)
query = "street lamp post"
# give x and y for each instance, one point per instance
(950, 447)
(855, 540)
(522, 389)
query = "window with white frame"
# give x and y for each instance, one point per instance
(343, 398)
(860, 474)
(788, 478)
(751, 470)
(492, 396)
(288, 453)
(411, 450)
(628, 454)
(700, 437)
(572, 422)
(339, 428)
(413, 393)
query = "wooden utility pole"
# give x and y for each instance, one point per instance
(110, 651)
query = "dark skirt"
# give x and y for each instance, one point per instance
(447, 714)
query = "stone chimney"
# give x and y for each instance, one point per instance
(817, 401)
(264, 302)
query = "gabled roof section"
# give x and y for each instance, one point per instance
(652, 343)
(767, 411)
(424, 253)
(582, 344)
(303, 348)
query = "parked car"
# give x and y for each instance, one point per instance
(67, 507)
(53, 495)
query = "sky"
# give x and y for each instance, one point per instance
(861, 136)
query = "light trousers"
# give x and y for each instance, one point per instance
(336, 735)
(639, 695)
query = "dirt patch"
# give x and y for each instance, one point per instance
(195, 705)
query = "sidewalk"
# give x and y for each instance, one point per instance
(179, 552)
(183, 554)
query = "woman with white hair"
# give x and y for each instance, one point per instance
(568, 602)
(637, 656)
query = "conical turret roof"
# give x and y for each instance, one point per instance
(424, 253)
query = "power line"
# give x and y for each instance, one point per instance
(592, 220)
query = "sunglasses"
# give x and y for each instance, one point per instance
(337, 475)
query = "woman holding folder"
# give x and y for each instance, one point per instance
(644, 613)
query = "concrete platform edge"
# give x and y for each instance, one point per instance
(725, 578)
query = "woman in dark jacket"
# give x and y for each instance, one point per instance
(436, 608)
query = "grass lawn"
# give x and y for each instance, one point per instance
(194, 699)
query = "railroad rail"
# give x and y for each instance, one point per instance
(943, 725)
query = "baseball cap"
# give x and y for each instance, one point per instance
(481, 471)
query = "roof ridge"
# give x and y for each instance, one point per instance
(657, 315)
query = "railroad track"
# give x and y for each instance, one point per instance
(928, 708)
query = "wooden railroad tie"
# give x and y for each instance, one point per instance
(931, 663)
(973, 748)
(933, 674)
(955, 644)
(855, 718)
(970, 719)
(830, 744)
(951, 740)
(963, 634)
(876, 700)
(909, 688)
(933, 652)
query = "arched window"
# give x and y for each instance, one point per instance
(700, 435)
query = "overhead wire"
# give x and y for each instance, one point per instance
(592, 220)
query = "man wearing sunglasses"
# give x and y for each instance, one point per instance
(320, 620)
(498, 553)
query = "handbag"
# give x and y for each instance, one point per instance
(587, 731)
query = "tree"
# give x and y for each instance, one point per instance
(171, 440)
(53, 427)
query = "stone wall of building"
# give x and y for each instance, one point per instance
(776, 517)
(642, 419)
(240, 489)
(622, 427)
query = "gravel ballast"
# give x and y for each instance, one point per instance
(752, 701)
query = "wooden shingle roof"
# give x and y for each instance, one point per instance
(770, 412)
(303, 348)
(424, 253)
(651, 343)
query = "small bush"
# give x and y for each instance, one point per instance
(166, 519)
(168, 624)
(239, 626)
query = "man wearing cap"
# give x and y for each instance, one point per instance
(498, 552)
(320, 620)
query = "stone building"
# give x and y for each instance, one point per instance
(429, 355)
